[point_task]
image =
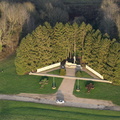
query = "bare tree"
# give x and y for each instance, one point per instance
(13, 18)
(110, 22)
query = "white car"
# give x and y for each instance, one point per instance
(60, 101)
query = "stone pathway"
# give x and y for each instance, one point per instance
(67, 85)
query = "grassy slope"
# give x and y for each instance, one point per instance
(103, 91)
(13, 110)
(11, 83)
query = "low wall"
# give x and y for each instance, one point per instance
(48, 67)
(94, 72)
(73, 65)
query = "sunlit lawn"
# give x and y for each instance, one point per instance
(14, 110)
(104, 91)
(11, 83)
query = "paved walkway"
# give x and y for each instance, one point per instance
(67, 85)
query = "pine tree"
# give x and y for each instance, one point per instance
(59, 43)
(95, 48)
(34, 51)
(113, 60)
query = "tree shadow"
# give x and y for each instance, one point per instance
(59, 95)
(88, 82)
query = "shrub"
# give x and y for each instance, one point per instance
(62, 72)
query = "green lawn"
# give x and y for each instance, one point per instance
(11, 83)
(55, 72)
(84, 74)
(14, 110)
(103, 91)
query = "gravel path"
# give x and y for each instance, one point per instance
(52, 101)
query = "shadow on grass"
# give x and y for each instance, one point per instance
(51, 112)
(88, 82)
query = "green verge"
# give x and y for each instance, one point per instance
(102, 91)
(83, 74)
(14, 110)
(11, 83)
(55, 72)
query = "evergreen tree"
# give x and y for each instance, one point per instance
(59, 52)
(47, 45)
(34, 51)
(81, 41)
(113, 61)
(102, 55)
(95, 48)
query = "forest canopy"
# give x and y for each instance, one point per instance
(47, 45)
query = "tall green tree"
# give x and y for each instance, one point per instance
(59, 43)
(34, 51)
(113, 61)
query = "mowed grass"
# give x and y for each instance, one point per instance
(103, 91)
(14, 110)
(55, 72)
(11, 83)
(84, 74)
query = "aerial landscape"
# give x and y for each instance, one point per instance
(59, 59)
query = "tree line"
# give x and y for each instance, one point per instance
(47, 45)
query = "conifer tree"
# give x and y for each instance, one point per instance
(34, 51)
(59, 43)
(113, 60)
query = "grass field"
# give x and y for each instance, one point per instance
(14, 110)
(102, 91)
(11, 83)
(55, 72)
(84, 74)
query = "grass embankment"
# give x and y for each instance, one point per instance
(104, 91)
(14, 110)
(11, 83)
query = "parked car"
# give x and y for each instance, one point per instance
(60, 101)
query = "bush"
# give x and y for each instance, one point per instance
(62, 72)
(78, 74)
